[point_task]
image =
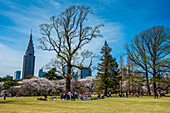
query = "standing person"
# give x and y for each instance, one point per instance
(75, 93)
(64, 95)
(80, 96)
(61, 95)
(126, 94)
(98, 95)
(110, 94)
(10, 95)
(70, 95)
(5, 95)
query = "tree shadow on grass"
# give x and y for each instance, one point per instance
(15, 102)
(114, 96)
(7, 101)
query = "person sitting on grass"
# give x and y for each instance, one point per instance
(123, 95)
(72, 96)
(79, 96)
(162, 94)
(108, 94)
(98, 96)
(83, 95)
(138, 93)
(103, 97)
(75, 95)
(156, 96)
(61, 96)
(89, 95)
(45, 96)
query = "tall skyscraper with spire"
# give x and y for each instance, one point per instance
(29, 59)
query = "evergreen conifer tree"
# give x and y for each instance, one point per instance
(107, 70)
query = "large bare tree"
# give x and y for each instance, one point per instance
(148, 49)
(71, 34)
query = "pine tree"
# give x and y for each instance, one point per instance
(107, 70)
(51, 75)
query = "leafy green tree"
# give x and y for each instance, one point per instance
(51, 75)
(8, 84)
(107, 70)
(5, 79)
(71, 34)
(29, 76)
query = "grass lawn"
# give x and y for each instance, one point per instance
(109, 105)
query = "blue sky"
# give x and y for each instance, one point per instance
(123, 19)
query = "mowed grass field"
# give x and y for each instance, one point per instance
(114, 104)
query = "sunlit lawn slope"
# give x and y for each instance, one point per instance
(108, 105)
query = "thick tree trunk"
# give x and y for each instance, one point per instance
(148, 84)
(154, 81)
(129, 74)
(68, 84)
(68, 78)
(154, 74)
(105, 93)
(154, 86)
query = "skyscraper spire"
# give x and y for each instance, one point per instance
(29, 59)
(31, 35)
(30, 47)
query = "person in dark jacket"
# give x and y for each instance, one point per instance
(5, 95)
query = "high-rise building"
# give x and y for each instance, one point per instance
(80, 73)
(17, 75)
(29, 59)
(41, 73)
(85, 73)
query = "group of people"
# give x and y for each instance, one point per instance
(100, 97)
(81, 96)
(123, 95)
(74, 96)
